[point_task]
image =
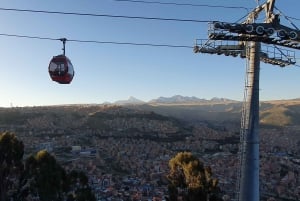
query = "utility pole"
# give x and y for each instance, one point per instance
(244, 40)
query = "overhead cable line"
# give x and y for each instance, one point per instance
(293, 18)
(184, 4)
(103, 15)
(287, 18)
(31, 37)
(131, 43)
(101, 42)
(98, 42)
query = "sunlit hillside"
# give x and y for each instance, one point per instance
(272, 113)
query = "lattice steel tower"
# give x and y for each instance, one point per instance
(244, 40)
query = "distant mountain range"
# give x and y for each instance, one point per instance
(217, 110)
(177, 99)
(189, 109)
(130, 101)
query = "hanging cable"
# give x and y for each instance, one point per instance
(30, 37)
(130, 43)
(188, 4)
(287, 18)
(96, 41)
(103, 15)
(293, 18)
(184, 4)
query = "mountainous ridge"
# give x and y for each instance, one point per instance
(130, 100)
(192, 100)
(272, 113)
(176, 99)
(220, 111)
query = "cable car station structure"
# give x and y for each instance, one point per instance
(245, 40)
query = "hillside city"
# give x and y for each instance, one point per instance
(125, 152)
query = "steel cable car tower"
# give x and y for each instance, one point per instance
(245, 40)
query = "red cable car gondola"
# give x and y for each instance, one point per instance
(60, 68)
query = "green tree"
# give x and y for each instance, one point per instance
(78, 182)
(11, 155)
(49, 181)
(191, 179)
(45, 177)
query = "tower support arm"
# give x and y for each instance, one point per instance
(268, 7)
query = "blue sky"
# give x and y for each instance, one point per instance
(106, 72)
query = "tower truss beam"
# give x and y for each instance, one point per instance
(268, 54)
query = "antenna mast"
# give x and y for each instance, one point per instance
(245, 40)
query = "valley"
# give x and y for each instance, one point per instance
(113, 143)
